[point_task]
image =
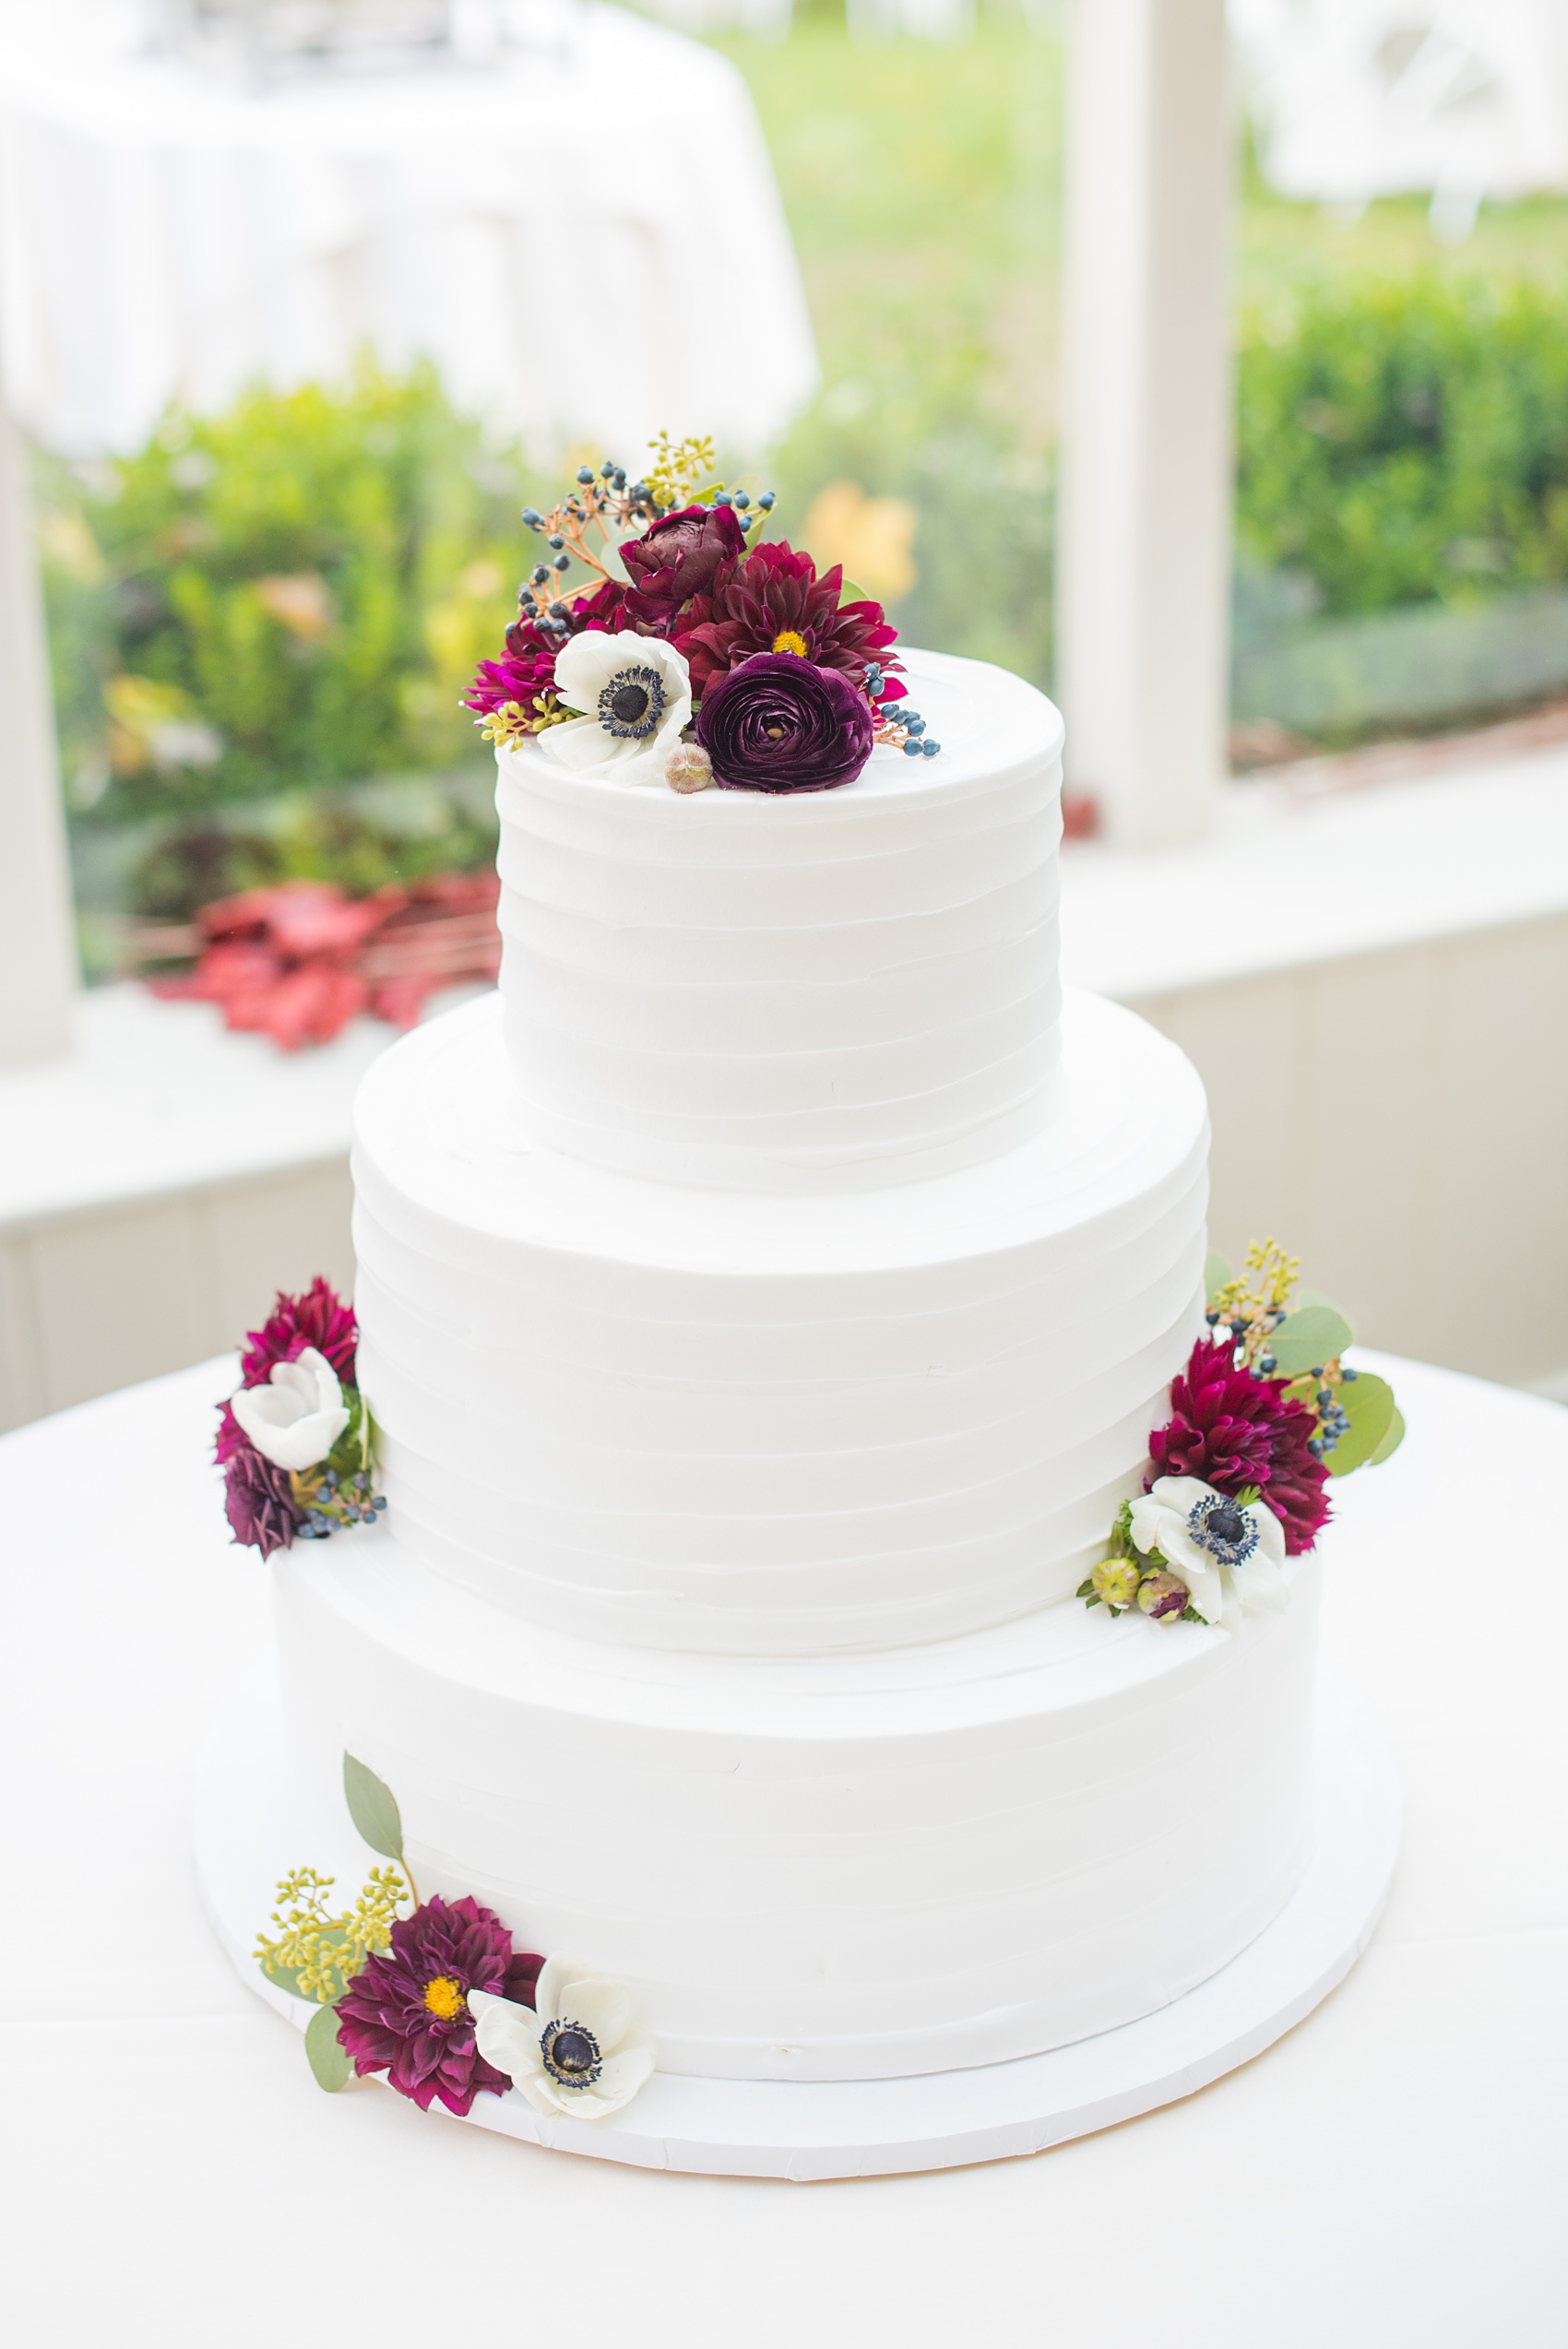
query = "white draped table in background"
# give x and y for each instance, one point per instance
(1391, 2173)
(584, 233)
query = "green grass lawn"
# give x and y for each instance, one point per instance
(922, 186)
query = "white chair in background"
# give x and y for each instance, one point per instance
(1355, 99)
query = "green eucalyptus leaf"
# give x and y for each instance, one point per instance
(1217, 1275)
(1393, 1439)
(852, 591)
(348, 1455)
(1368, 1403)
(329, 2062)
(1309, 1338)
(373, 1809)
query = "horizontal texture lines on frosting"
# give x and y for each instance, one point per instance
(601, 878)
(832, 1873)
(852, 987)
(731, 1447)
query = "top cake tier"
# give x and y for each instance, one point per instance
(823, 990)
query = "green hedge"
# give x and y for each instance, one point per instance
(260, 613)
(1407, 441)
(288, 596)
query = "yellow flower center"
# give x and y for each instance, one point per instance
(788, 641)
(444, 1997)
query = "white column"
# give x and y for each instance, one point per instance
(1142, 550)
(38, 957)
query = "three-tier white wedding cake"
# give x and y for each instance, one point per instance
(766, 1302)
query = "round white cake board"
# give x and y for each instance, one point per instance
(807, 2130)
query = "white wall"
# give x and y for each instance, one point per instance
(1400, 1122)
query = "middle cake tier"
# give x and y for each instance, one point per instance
(745, 1424)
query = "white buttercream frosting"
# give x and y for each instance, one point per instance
(815, 1287)
(829, 990)
(771, 1425)
(851, 1867)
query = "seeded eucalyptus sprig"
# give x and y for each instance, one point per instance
(609, 505)
(317, 1951)
(1359, 1423)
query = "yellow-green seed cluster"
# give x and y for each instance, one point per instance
(321, 1949)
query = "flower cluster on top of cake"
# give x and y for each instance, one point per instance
(662, 641)
(439, 2001)
(1264, 1414)
(296, 1441)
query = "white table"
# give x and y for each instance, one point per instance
(1393, 2173)
(584, 233)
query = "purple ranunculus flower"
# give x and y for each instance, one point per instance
(678, 557)
(778, 723)
(406, 2011)
(258, 1499)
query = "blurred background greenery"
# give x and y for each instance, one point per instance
(262, 622)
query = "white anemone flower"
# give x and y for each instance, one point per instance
(578, 2050)
(1230, 1554)
(295, 1421)
(636, 693)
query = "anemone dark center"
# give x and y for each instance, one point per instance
(632, 703)
(571, 2054)
(1224, 1530)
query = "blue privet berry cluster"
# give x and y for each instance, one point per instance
(1333, 1419)
(338, 1502)
(1240, 1330)
(917, 742)
(747, 514)
(610, 500)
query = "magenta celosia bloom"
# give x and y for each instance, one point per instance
(525, 670)
(1233, 1428)
(406, 2013)
(317, 1317)
(258, 1499)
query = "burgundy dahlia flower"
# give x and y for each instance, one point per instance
(406, 2011)
(779, 723)
(316, 1317)
(679, 558)
(775, 602)
(1233, 1428)
(258, 1499)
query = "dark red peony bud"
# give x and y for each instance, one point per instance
(678, 557)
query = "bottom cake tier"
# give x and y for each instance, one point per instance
(840, 1868)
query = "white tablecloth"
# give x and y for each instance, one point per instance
(1391, 2174)
(585, 235)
